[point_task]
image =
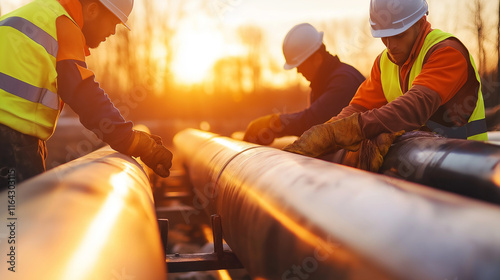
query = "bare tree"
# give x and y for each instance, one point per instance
(478, 25)
(130, 58)
(175, 13)
(498, 44)
(351, 40)
(228, 75)
(252, 37)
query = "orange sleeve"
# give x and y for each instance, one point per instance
(72, 45)
(70, 39)
(445, 72)
(370, 94)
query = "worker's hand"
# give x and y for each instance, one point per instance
(263, 130)
(151, 151)
(372, 152)
(329, 137)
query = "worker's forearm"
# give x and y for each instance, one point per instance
(349, 110)
(96, 111)
(407, 112)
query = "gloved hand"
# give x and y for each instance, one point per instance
(372, 152)
(263, 130)
(152, 152)
(329, 137)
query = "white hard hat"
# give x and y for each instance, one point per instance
(389, 17)
(120, 8)
(300, 43)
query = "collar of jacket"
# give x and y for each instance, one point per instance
(329, 65)
(74, 9)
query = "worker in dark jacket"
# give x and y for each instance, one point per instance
(333, 84)
(424, 79)
(43, 46)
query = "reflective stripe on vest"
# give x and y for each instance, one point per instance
(29, 92)
(34, 32)
(28, 78)
(475, 129)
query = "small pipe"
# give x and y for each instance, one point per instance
(469, 168)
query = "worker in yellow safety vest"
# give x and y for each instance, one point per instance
(43, 46)
(424, 79)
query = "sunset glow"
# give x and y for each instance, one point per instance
(204, 33)
(196, 53)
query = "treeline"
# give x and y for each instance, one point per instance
(238, 85)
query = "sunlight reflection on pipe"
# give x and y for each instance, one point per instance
(230, 144)
(207, 231)
(496, 175)
(298, 229)
(85, 256)
(224, 275)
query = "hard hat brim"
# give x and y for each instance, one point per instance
(126, 25)
(382, 33)
(117, 12)
(287, 66)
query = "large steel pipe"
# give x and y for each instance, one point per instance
(469, 168)
(92, 218)
(291, 217)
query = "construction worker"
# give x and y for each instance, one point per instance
(424, 79)
(43, 46)
(333, 84)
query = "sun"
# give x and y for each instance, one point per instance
(196, 52)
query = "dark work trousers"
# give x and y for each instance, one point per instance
(20, 154)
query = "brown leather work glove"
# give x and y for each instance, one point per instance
(329, 137)
(152, 152)
(371, 154)
(263, 130)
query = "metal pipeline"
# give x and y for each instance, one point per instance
(469, 168)
(92, 218)
(292, 217)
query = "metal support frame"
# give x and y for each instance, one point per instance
(163, 225)
(218, 259)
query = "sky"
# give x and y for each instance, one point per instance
(215, 26)
(222, 17)
(292, 10)
(277, 17)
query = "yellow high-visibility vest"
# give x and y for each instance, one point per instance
(475, 129)
(29, 102)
